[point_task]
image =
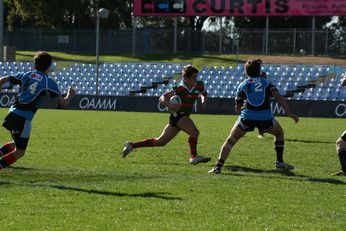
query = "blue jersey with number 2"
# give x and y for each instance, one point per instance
(255, 94)
(34, 86)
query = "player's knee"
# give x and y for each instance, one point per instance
(340, 145)
(280, 136)
(195, 133)
(12, 145)
(160, 142)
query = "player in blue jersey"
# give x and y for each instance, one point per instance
(34, 86)
(341, 145)
(263, 75)
(253, 105)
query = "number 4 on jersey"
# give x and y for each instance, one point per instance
(33, 88)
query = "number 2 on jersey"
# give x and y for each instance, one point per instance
(258, 87)
(33, 88)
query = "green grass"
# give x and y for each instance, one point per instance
(66, 59)
(72, 177)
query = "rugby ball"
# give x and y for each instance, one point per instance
(175, 100)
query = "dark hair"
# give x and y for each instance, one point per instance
(259, 61)
(253, 67)
(42, 61)
(189, 70)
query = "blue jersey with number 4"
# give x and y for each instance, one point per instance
(34, 86)
(255, 94)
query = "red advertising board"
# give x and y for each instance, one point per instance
(239, 7)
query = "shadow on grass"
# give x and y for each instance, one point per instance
(310, 141)
(72, 175)
(290, 175)
(159, 195)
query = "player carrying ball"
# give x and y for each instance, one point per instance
(188, 90)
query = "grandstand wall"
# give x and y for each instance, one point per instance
(328, 109)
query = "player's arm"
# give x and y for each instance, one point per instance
(239, 101)
(63, 102)
(164, 100)
(204, 97)
(343, 81)
(4, 80)
(237, 107)
(282, 102)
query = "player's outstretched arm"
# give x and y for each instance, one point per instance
(204, 97)
(343, 81)
(284, 104)
(3, 80)
(63, 102)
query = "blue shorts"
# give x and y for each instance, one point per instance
(20, 129)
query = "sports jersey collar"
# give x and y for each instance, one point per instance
(41, 73)
(182, 83)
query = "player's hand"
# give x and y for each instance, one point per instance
(343, 81)
(71, 92)
(294, 117)
(173, 107)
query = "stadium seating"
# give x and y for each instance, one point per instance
(297, 82)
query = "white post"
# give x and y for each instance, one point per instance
(313, 35)
(97, 51)
(267, 36)
(101, 13)
(294, 40)
(220, 36)
(236, 44)
(134, 35)
(1, 30)
(175, 35)
(326, 42)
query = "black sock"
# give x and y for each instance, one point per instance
(220, 163)
(279, 148)
(342, 158)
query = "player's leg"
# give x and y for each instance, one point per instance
(341, 151)
(279, 144)
(260, 134)
(11, 157)
(239, 130)
(186, 124)
(168, 133)
(7, 148)
(20, 130)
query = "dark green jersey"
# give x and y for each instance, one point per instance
(188, 97)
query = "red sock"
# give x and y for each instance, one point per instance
(193, 146)
(7, 160)
(143, 143)
(6, 148)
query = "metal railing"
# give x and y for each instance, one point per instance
(184, 41)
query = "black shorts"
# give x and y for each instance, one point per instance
(19, 128)
(249, 125)
(175, 117)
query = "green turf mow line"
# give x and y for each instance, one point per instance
(65, 59)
